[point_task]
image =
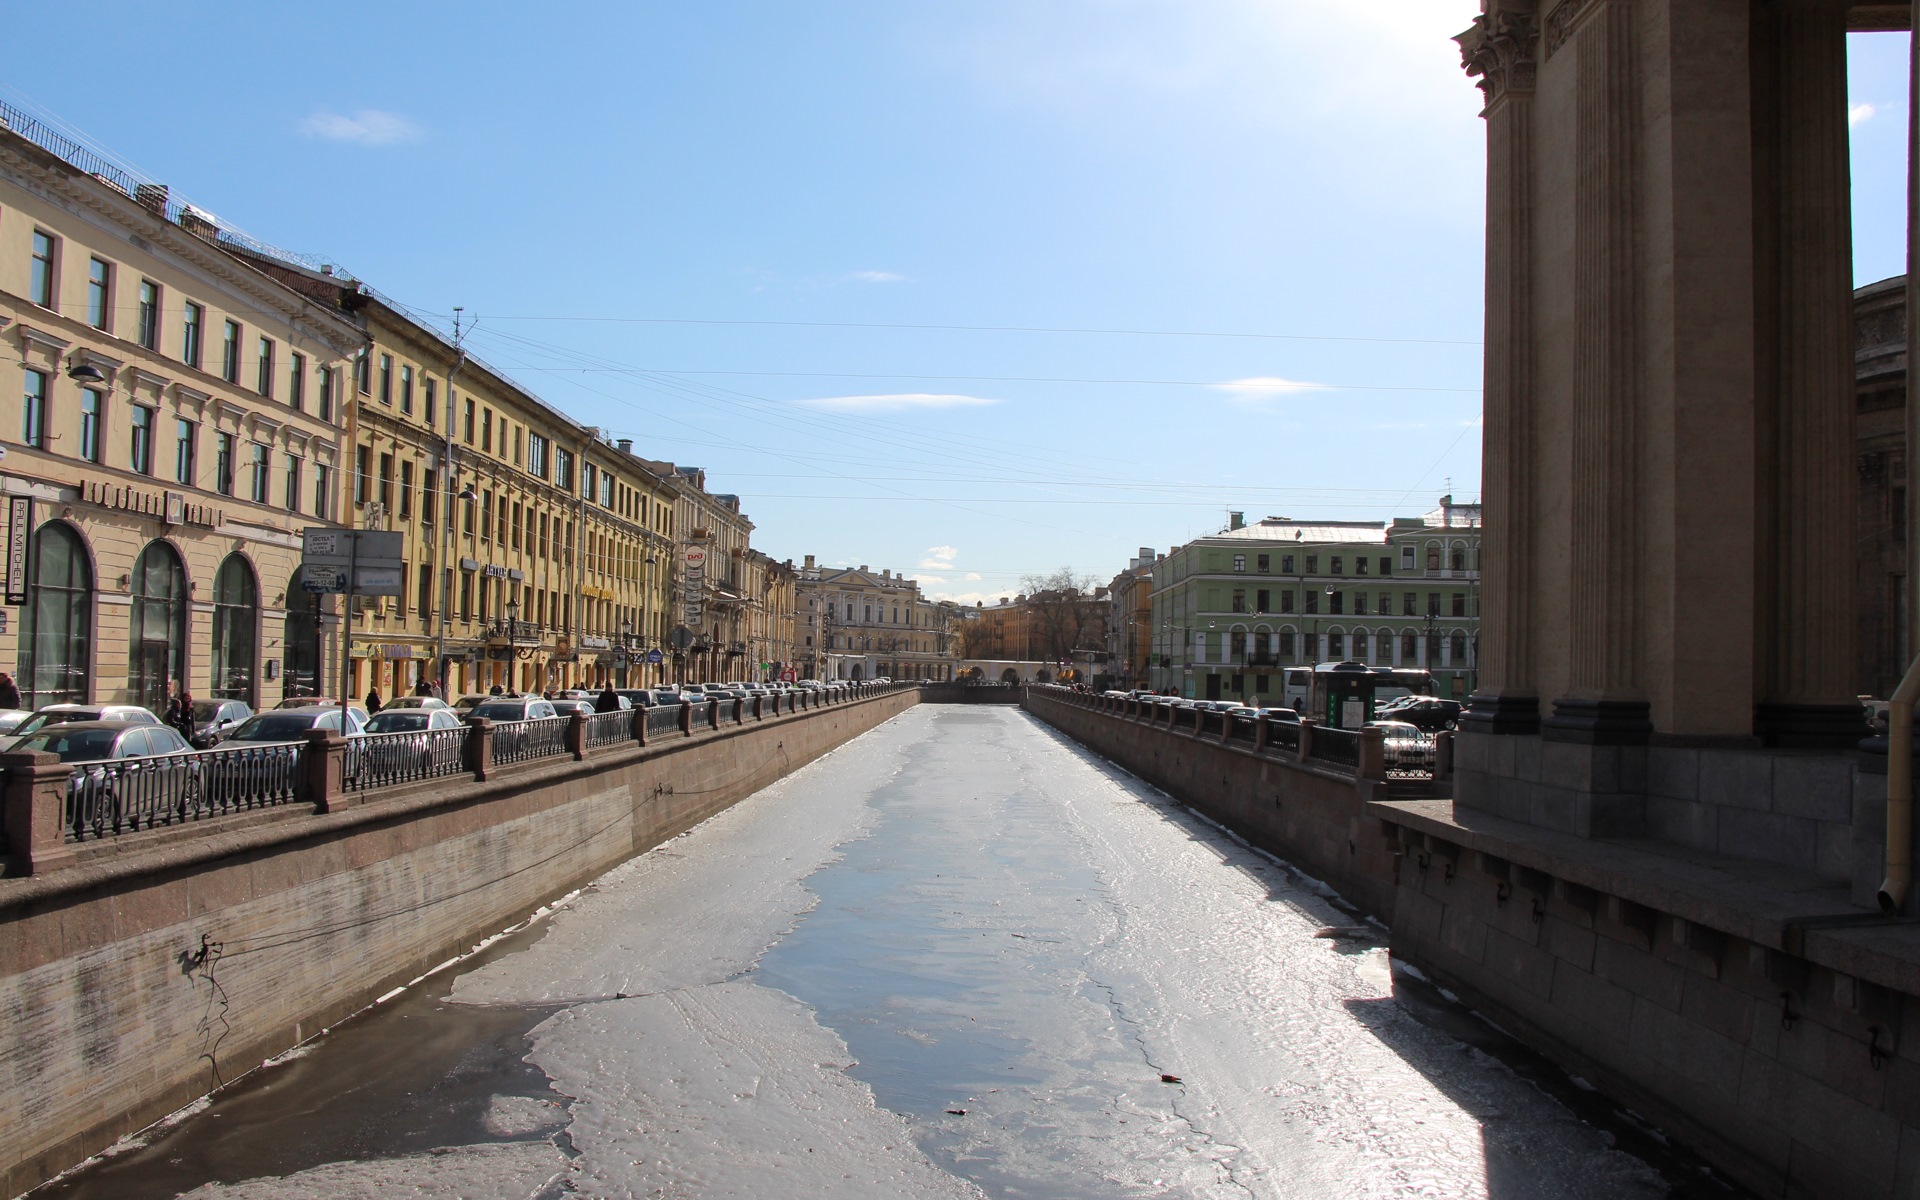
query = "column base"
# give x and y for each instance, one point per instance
(1598, 722)
(1499, 713)
(1810, 726)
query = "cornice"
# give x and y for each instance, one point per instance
(1498, 50)
(72, 184)
(41, 337)
(1563, 20)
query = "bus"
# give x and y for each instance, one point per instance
(1345, 695)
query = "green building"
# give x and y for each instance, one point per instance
(1232, 611)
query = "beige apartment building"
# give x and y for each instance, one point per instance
(770, 617)
(853, 624)
(172, 419)
(711, 597)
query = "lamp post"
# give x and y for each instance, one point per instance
(645, 597)
(465, 496)
(626, 648)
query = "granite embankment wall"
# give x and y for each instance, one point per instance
(159, 965)
(1311, 813)
(1751, 1011)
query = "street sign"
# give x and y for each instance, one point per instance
(655, 658)
(339, 547)
(681, 637)
(377, 581)
(19, 537)
(324, 581)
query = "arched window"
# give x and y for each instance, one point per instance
(157, 625)
(56, 623)
(236, 626)
(301, 639)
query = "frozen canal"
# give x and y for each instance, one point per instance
(958, 957)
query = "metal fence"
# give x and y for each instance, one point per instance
(107, 798)
(1283, 735)
(378, 759)
(663, 721)
(609, 728)
(520, 741)
(1339, 747)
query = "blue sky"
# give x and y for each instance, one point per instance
(705, 227)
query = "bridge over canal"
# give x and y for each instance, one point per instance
(960, 955)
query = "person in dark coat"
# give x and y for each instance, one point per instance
(373, 701)
(423, 688)
(607, 701)
(181, 707)
(9, 691)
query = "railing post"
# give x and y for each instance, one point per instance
(1199, 722)
(739, 709)
(1226, 728)
(35, 810)
(713, 714)
(479, 747)
(1372, 759)
(757, 714)
(577, 734)
(686, 717)
(1443, 754)
(1261, 732)
(1306, 738)
(323, 770)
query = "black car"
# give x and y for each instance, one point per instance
(213, 720)
(1425, 713)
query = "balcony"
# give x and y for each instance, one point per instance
(514, 633)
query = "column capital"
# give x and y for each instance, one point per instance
(1499, 50)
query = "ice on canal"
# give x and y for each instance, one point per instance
(962, 957)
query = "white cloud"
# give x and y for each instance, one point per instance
(968, 599)
(877, 277)
(939, 558)
(924, 580)
(1262, 390)
(898, 402)
(971, 577)
(1860, 114)
(368, 126)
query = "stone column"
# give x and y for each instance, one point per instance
(1913, 323)
(1604, 703)
(1501, 48)
(1804, 314)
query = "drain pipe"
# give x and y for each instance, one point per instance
(1893, 892)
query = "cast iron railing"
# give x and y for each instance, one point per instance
(379, 759)
(124, 795)
(609, 728)
(521, 741)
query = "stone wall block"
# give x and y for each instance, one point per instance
(1817, 786)
(1737, 779)
(33, 819)
(1687, 822)
(1463, 934)
(1711, 1004)
(1673, 772)
(1526, 966)
(1567, 941)
(1630, 966)
(1599, 1013)
(1662, 1036)
(1526, 753)
(1768, 837)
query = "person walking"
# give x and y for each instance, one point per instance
(373, 701)
(607, 701)
(182, 710)
(9, 691)
(423, 688)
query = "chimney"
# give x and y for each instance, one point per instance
(152, 197)
(1236, 520)
(809, 562)
(626, 445)
(863, 566)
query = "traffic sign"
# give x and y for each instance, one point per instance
(655, 658)
(339, 547)
(324, 580)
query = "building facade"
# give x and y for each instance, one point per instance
(1065, 627)
(867, 626)
(1130, 622)
(1231, 611)
(1880, 445)
(175, 418)
(709, 596)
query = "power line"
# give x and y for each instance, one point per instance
(1221, 385)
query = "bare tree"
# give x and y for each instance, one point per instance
(1064, 613)
(976, 636)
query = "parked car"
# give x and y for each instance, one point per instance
(389, 756)
(1424, 712)
(1408, 747)
(670, 696)
(58, 714)
(466, 704)
(567, 706)
(282, 725)
(427, 702)
(637, 697)
(513, 708)
(213, 720)
(10, 718)
(122, 780)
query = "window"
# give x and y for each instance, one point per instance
(406, 491)
(1433, 604)
(363, 373)
(588, 480)
(1406, 558)
(140, 453)
(386, 483)
(192, 321)
(1262, 601)
(223, 463)
(1360, 646)
(362, 467)
(516, 441)
(41, 277)
(230, 353)
(263, 374)
(536, 455)
(406, 390)
(423, 593)
(1286, 564)
(563, 470)
(1386, 565)
(99, 293)
(262, 463)
(429, 493)
(1313, 564)
(1313, 601)
(1459, 559)
(322, 490)
(1263, 563)
(427, 390)
(1409, 648)
(486, 516)
(149, 332)
(486, 429)
(1360, 604)
(33, 411)
(294, 464)
(1410, 604)
(1433, 558)
(1339, 565)
(606, 490)
(186, 436)
(1459, 604)
(93, 412)
(1386, 603)
(236, 609)
(56, 623)
(466, 595)
(469, 423)
(296, 382)
(516, 524)
(1359, 564)
(1239, 600)
(1336, 602)
(326, 394)
(1239, 562)
(386, 380)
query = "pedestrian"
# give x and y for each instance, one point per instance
(423, 688)
(183, 717)
(9, 692)
(373, 700)
(607, 701)
(496, 690)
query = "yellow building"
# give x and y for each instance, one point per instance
(770, 616)
(173, 419)
(532, 548)
(710, 596)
